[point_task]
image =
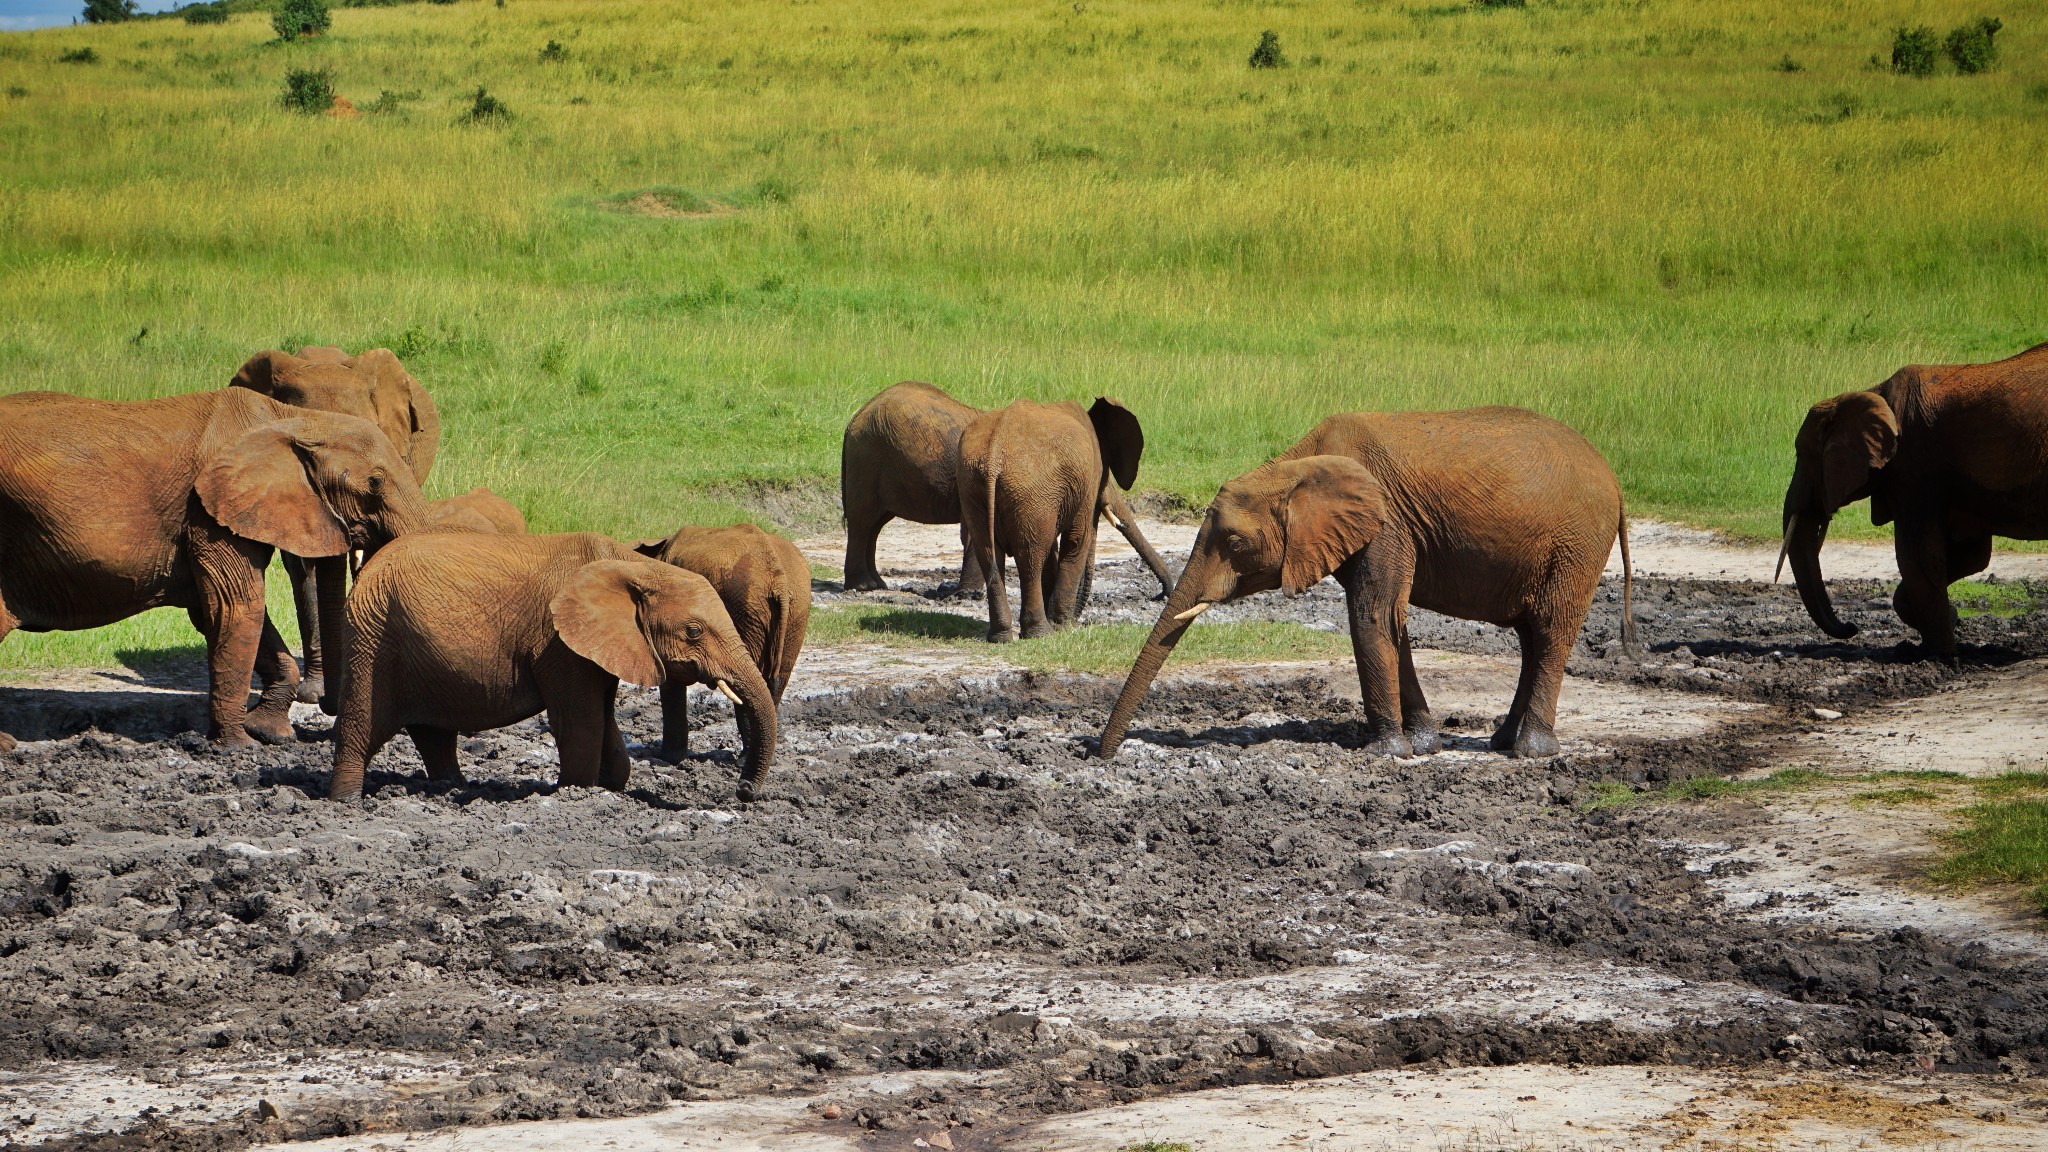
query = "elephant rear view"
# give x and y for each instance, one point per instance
(765, 584)
(1493, 514)
(477, 510)
(1034, 478)
(460, 632)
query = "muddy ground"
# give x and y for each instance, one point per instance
(195, 952)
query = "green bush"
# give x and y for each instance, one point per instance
(204, 14)
(1914, 51)
(1267, 54)
(388, 101)
(308, 90)
(553, 52)
(79, 56)
(1788, 64)
(296, 18)
(109, 11)
(1501, 3)
(1971, 46)
(485, 107)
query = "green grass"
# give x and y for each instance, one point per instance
(2001, 843)
(1612, 794)
(1098, 648)
(2004, 599)
(1624, 215)
(151, 642)
(1159, 1146)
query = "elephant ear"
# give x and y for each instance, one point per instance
(1333, 511)
(1862, 436)
(387, 372)
(650, 548)
(258, 488)
(1122, 440)
(598, 617)
(261, 372)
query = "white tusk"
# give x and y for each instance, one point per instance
(726, 690)
(1197, 610)
(1784, 547)
(1113, 521)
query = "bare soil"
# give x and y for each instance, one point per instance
(947, 917)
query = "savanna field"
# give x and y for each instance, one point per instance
(653, 289)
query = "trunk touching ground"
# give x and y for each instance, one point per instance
(757, 720)
(1196, 588)
(330, 581)
(1806, 527)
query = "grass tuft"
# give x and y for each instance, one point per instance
(1613, 794)
(2002, 843)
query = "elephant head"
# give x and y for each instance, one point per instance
(1284, 525)
(1841, 451)
(646, 622)
(372, 385)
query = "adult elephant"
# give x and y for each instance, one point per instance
(111, 508)
(898, 461)
(572, 616)
(373, 385)
(765, 585)
(1494, 514)
(1954, 454)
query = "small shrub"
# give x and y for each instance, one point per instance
(1268, 54)
(204, 14)
(1788, 64)
(1836, 107)
(308, 90)
(388, 101)
(1971, 47)
(553, 357)
(109, 11)
(553, 52)
(16, 92)
(1500, 3)
(1914, 51)
(484, 107)
(296, 18)
(79, 56)
(773, 190)
(2038, 92)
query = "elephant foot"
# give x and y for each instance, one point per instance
(1503, 738)
(270, 728)
(1533, 744)
(345, 791)
(612, 783)
(310, 689)
(1034, 631)
(235, 741)
(999, 635)
(1387, 740)
(870, 583)
(1424, 740)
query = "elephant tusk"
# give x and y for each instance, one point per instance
(1784, 547)
(725, 690)
(1197, 610)
(1113, 521)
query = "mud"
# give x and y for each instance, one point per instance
(942, 879)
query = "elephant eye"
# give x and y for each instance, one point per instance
(693, 630)
(1236, 543)
(376, 482)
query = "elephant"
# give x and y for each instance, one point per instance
(1034, 478)
(373, 385)
(477, 510)
(1954, 454)
(1496, 514)
(108, 508)
(897, 461)
(571, 616)
(765, 584)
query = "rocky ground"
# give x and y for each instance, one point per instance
(947, 918)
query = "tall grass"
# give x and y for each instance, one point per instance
(1624, 215)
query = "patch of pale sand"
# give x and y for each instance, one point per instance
(1660, 549)
(908, 547)
(1542, 1107)
(1995, 722)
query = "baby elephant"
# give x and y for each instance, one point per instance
(765, 584)
(477, 510)
(459, 632)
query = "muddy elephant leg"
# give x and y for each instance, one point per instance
(1373, 602)
(998, 596)
(1416, 721)
(578, 702)
(1922, 598)
(7, 624)
(1530, 730)
(437, 751)
(970, 563)
(365, 722)
(863, 524)
(613, 766)
(1067, 570)
(230, 615)
(1033, 563)
(313, 673)
(1968, 557)
(675, 721)
(271, 720)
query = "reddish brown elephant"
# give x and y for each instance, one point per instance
(765, 584)
(372, 385)
(568, 617)
(1954, 454)
(897, 461)
(111, 508)
(477, 510)
(1494, 514)
(1034, 480)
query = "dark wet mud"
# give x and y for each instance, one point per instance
(942, 878)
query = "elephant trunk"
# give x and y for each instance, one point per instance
(1206, 580)
(756, 713)
(1806, 527)
(1119, 514)
(330, 583)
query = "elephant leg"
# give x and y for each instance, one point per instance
(1067, 571)
(1034, 568)
(1968, 557)
(1922, 599)
(7, 624)
(998, 595)
(614, 766)
(578, 702)
(271, 720)
(1530, 728)
(970, 563)
(437, 751)
(364, 723)
(675, 721)
(863, 525)
(230, 615)
(1416, 721)
(1373, 604)
(313, 674)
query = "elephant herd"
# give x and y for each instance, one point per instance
(458, 620)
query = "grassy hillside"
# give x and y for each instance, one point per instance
(706, 232)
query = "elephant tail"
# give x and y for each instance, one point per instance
(1629, 642)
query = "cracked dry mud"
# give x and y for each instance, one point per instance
(197, 953)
